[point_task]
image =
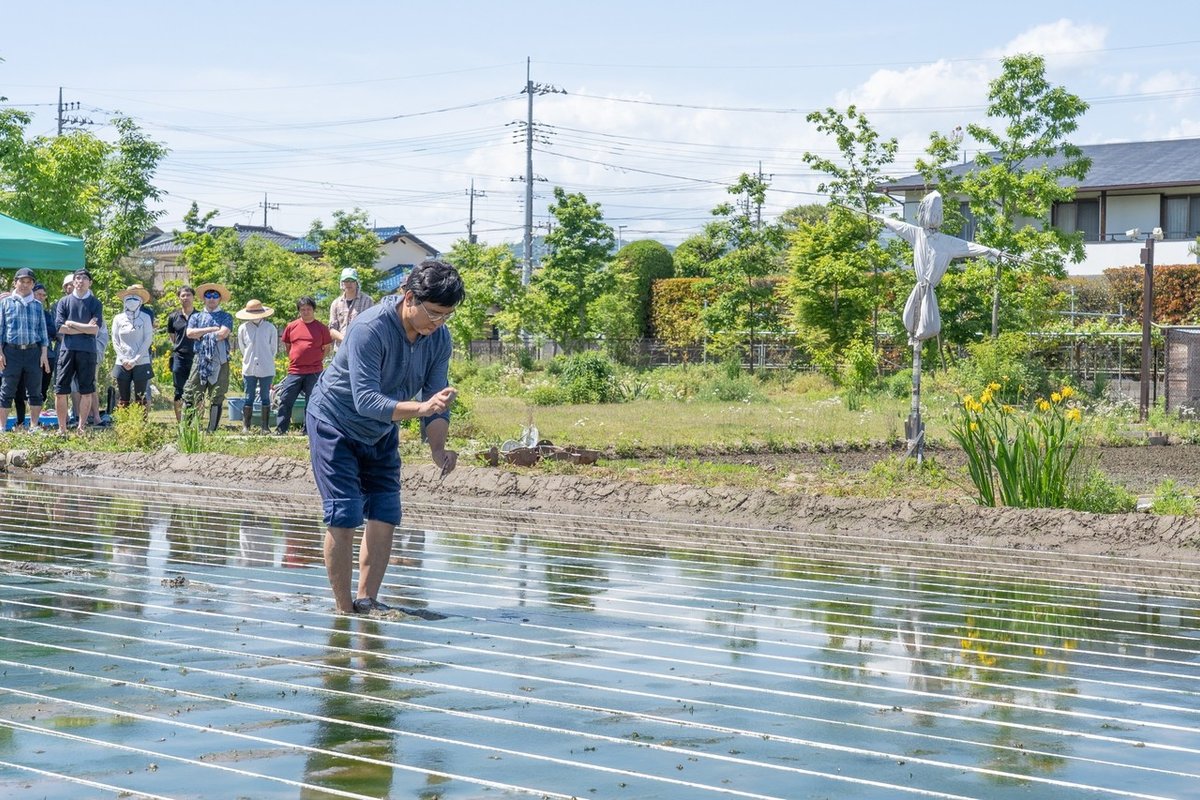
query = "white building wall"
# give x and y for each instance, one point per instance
(400, 251)
(1103, 255)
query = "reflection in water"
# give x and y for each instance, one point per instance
(256, 542)
(939, 651)
(302, 545)
(351, 683)
(573, 583)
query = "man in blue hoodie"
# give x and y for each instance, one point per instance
(396, 350)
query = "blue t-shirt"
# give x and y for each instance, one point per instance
(377, 367)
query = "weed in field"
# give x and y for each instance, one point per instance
(1170, 499)
(134, 431)
(1099, 495)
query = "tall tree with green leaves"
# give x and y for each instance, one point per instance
(208, 252)
(82, 185)
(750, 251)
(830, 287)
(1019, 179)
(492, 279)
(864, 158)
(349, 242)
(575, 271)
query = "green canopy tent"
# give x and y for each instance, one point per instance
(24, 245)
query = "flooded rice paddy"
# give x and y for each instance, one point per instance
(167, 642)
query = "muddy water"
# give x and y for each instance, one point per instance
(158, 641)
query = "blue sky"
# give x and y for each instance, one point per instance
(396, 107)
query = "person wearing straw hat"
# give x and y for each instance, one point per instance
(209, 329)
(132, 334)
(259, 342)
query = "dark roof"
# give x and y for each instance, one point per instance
(169, 243)
(400, 232)
(1123, 165)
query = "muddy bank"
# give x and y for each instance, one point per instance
(480, 498)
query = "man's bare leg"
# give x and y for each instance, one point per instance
(339, 561)
(373, 557)
(60, 407)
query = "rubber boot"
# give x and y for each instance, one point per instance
(264, 418)
(214, 418)
(247, 413)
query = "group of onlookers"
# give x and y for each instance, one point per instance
(64, 343)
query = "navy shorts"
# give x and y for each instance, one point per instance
(356, 480)
(78, 365)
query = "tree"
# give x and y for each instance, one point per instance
(574, 272)
(809, 213)
(830, 285)
(635, 269)
(1004, 187)
(853, 182)
(208, 252)
(492, 279)
(256, 269)
(81, 185)
(349, 243)
(696, 255)
(750, 251)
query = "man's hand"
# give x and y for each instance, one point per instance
(45, 363)
(438, 403)
(448, 459)
(127, 366)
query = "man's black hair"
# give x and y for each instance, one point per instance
(185, 288)
(306, 301)
(437, 282)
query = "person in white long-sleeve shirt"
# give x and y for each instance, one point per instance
(132, 334)
(258, 340)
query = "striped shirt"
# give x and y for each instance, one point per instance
(22, 323)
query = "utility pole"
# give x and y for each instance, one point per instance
(758, 211)
(620, 238)
(64, 121)
(265, 206)
(531, 89)
(1147, 309)
(471, 211)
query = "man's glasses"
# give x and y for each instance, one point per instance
(211, 295)
(432, 316)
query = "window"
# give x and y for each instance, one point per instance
(1182, 217)
(968, 228)
(1082, 215)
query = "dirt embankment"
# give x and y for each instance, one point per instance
(586, 505)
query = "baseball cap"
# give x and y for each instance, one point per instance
(83, 273)
(24, 272)
(39, 287)
(349, 274)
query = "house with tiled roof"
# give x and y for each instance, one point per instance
(158, 254)
(399, 253)
(1142, 185)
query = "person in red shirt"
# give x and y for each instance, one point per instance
(308, 341)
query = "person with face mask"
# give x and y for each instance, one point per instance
(132, 335)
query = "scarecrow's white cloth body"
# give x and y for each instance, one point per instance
(932, 253)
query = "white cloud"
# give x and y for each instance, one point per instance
(1063, 43)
